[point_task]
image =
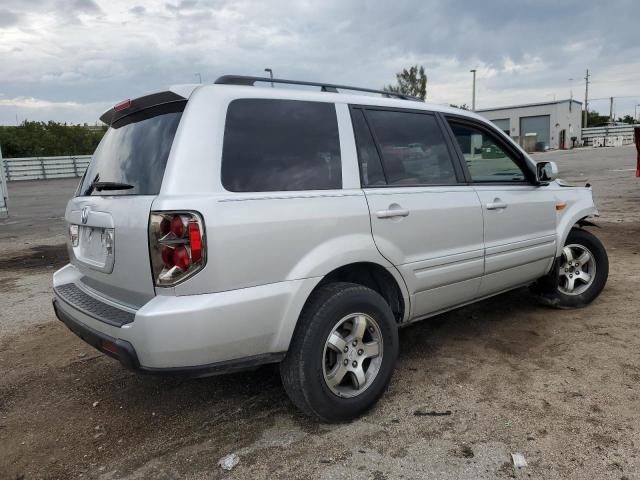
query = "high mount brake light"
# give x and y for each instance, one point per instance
(118, 107)
(176, 246)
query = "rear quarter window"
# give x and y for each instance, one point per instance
(280, 145)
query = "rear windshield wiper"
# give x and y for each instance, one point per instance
(99, 186)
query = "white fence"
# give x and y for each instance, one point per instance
(597, 136)
(3, 191)
(43, 168)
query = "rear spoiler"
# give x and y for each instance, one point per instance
(128, 107)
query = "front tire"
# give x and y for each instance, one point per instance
(583, 269)
(342, 354)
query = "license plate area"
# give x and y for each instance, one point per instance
(96, 247)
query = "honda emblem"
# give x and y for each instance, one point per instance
(85, 215)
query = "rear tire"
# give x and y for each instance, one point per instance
(342, 354)
(583, 269)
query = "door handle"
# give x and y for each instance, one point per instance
(496, 205)
(396, 212)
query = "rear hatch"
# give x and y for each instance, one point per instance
(108, 218)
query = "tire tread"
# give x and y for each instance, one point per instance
(557, 299)
(292, 368)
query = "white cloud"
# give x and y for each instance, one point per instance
(95, 52)
(15, 110)
(35, 103)
(528, 65)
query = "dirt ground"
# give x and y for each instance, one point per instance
(502, 376)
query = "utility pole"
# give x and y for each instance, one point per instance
(199, 77)
(473, 95)
(570, 94)
(611, 110)
(586, 99)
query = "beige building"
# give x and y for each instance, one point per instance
(540, 126)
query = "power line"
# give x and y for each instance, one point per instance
(621, 80)
(616, 96)
(617, 105)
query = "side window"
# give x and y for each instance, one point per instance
(371, 173)
(279, 145)
(414, 151)
(485, 158)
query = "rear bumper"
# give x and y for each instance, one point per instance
(124, 352)
(195, 335)
(114, 347)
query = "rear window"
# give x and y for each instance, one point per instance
(280, 145)
(134, 152)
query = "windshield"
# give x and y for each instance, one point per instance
(133, 153)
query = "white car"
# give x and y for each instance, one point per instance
(220, 227)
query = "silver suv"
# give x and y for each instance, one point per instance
(220, 227)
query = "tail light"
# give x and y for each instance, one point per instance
(176, 246)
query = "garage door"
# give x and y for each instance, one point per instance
(503, 124)
(541, 126)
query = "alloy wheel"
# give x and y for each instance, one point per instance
(352, 355)
(577, 270)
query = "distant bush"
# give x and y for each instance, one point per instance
(48, 139)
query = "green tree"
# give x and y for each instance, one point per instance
(46, 139)
(464, 106)
(627, 119)
(410, 82)
(596, 119)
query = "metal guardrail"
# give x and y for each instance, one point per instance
(44, 168)
(625, 131)
(4, 211)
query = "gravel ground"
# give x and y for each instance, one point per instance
(36, 213)
(504, 375)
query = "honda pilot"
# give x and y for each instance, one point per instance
(221, 227)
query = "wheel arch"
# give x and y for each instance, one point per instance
(570, 220)
(386, 281)
(383, 279)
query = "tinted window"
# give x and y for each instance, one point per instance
(134, 151)
(413, 148)
(371, 173)
(486, 159)
(272, 145)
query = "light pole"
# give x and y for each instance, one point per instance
(199, 76)
(270, 74)
(473, 95)
(586, 100)
(636, 109)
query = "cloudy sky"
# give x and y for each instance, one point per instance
(68, 60)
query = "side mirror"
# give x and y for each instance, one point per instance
(547, 171)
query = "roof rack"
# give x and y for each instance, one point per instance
(324, 87)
